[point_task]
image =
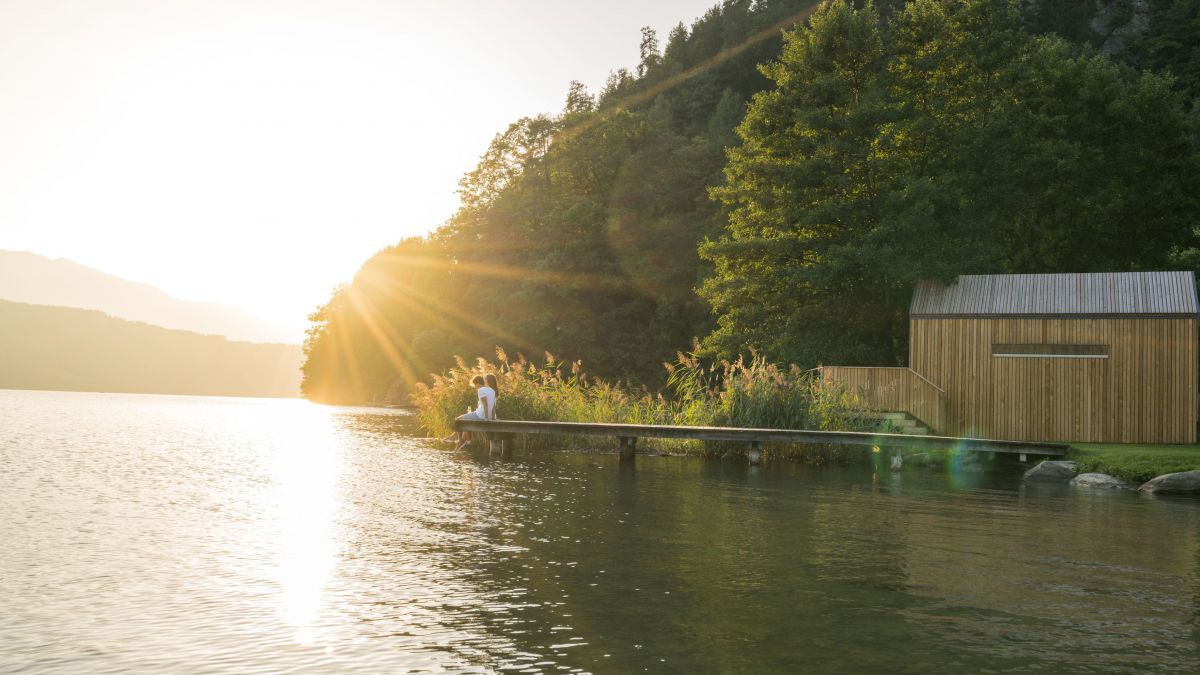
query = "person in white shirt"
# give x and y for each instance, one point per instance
(485, 410)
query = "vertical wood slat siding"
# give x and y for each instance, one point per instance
(892, 390)
(1144, 392)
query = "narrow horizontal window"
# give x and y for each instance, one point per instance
(1044, 351)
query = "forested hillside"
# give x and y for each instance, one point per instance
(801, 183)
(577, 233)
(68, 349)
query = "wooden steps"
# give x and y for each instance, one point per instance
(901, 423)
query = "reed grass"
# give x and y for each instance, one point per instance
(743, 393)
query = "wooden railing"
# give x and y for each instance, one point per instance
(893, 390)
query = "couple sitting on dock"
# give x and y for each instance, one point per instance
(485, 391)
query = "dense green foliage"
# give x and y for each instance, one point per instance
(753, 394)
(1158, 35)
(577, 233)
(883, 143)
(68, 349)
(945, 141)
(1172, 44)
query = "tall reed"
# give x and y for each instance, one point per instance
(739, 393)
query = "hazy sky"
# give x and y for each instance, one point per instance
(253, 152)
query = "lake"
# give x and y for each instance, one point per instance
(189, 534)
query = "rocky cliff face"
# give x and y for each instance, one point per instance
(1108, 24)
(1115, 21)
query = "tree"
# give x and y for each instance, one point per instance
(648, 53)
(1017, 153)
(579, 101)
(508, 157)
(968, 146)
(883, 144)
(1172, 44)
(577, 233)
(802, 189)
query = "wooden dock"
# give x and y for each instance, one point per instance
(501, 431)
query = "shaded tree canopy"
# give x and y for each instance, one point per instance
(945, 141)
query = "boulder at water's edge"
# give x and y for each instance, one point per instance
(1182, 483)
(1101, 480)
(1052, 471)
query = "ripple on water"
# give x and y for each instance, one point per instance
(157, 533)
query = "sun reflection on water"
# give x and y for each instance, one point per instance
(306, 469)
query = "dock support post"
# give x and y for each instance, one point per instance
(1023, 457)
(628, 447)
(755, 452)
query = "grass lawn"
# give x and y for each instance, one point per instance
(1137, 463)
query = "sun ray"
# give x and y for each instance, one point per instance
(494, 271)
(382, 333)
(420, 304)
(343, 350)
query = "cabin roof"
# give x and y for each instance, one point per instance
(1146, 294)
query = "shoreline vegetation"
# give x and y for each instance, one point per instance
(741, 393)
(738, 393)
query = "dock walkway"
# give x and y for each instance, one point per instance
(501, 431)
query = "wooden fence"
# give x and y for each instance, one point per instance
(893, 390)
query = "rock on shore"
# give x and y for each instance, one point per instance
(1101, 480)
(1182, 483)
(1052, 471)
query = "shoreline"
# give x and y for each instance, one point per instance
(1157, 469)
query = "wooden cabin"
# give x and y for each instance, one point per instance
(1048, 357)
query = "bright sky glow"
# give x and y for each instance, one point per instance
(255, 152)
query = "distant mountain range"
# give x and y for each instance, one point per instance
(38, 280)
(69, 349)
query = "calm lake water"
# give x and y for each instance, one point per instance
(181, 534)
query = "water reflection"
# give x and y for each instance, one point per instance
(176, 534)
(307, 467)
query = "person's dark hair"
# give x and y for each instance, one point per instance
(477, 381)
(491, 382)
